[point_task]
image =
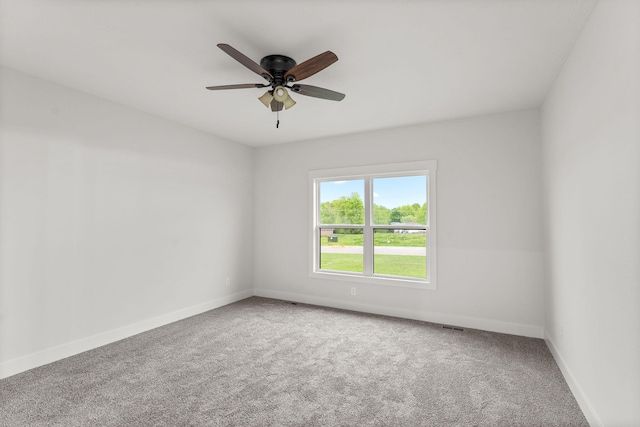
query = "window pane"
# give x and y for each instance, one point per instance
(341, 249)
(400, 253)
(400, 200)
(341, 202)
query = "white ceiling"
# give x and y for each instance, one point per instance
(400, 62)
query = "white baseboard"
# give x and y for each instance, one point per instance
(433, 317)
(589, 413)
(30, 361)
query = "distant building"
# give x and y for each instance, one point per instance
(326, 232)
(404, 231)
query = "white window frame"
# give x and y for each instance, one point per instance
(368, 173)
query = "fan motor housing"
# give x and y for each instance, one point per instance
(277, 65)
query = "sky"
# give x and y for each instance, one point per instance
(387, 192)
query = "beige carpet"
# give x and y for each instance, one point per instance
(263, 362)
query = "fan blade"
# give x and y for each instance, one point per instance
(246, 61)
(276, 106)
(311, 66)
(318, 92)
(240, 86)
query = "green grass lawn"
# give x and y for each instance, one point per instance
(396, 265)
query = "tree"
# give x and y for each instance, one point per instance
(327, 213)
(396, 215)
(345, 210)
(410, 213)
(381, 215)
(421, 215)
(350, 210)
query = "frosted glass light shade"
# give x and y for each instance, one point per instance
(266, 99)
(288, 103)
(280, 94)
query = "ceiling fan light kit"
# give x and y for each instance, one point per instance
(280, 94)
(281, 72)
(266, 99)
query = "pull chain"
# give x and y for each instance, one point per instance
(277, 119)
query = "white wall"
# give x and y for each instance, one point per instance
(591, 146)
(490, 263)
(111, 222)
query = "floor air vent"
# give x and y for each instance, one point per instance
(453, 328)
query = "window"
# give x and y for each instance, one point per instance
(375, 224)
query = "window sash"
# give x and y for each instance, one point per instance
(368, 246)
(368, 228)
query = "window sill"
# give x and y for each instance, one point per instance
(402, 282)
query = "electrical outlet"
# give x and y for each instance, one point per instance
(353, 291)
(227, 282)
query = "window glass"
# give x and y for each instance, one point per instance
(400, 252)
(341, 249)
(400, 200)
(342, 202)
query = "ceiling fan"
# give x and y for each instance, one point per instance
(282, 73)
